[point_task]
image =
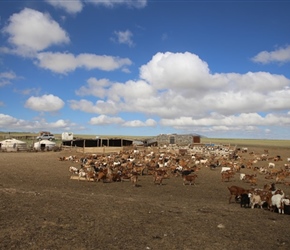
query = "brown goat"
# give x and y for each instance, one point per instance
(226, 175)
(236, 191)
(190, 179)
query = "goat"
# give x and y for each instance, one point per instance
(244, 150)
(236, 191)
(189, 178)
(276, 202)
(213, 166)
(134, 179)
(245, 200)
(82, 173)
(187, 172)
(73, 170)
(225, 169)
(242, 176)
(271, 165)
(284, 202)
(255, 199)
(158, 179)
(227, 175)
(280, 178)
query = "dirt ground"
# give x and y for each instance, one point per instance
(42, 208)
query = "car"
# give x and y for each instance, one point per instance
(45, 137)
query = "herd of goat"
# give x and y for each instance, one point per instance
(165, 162)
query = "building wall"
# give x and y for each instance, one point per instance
(181, 140)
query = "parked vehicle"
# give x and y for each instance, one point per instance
(45, 137)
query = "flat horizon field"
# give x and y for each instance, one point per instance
(204, 140)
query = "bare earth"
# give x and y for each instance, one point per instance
(42, 208)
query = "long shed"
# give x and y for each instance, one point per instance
(98, 145)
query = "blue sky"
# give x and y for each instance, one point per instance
(217, 68)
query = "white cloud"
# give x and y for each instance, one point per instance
(95, 88)
(132, 92)
(100, 107)
(28, 32)
(9, 123)
(107, 63)
(57, 62)
(6, 77)
(45, 103)
(281, 55)
(243, 120)
(110, 120)
(63, 63)
(29, 37)
(188, 96)
(71, 7)
(138, 123)
(177, 71)
(105, 120)
(113, 3)
(124, 37)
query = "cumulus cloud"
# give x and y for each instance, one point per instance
(99, 107)
(280, 55)
(241, 120)
(138, 123)
(113, 120)
(28, 37)
(71, 7)
(106, 120)
(28, 34)
(10, 123)
(177, 71)
(180, 89)
(95, 88)
(45, 103)
(7, 120)
(123, 37)
(6, 78)
(114, 3)
(66, 62)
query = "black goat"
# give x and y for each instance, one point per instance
(245, 200)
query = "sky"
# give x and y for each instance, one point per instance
(220, 69)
